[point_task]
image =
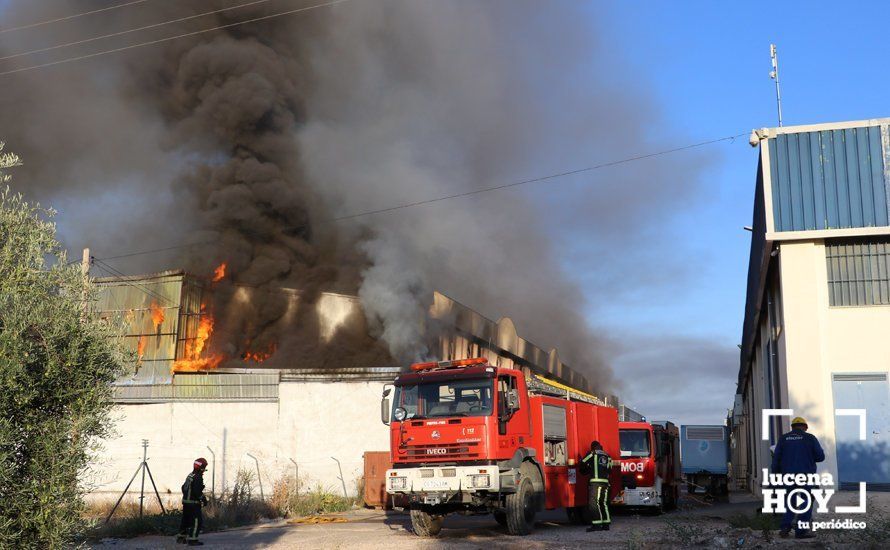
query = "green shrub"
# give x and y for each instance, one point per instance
(57, 364)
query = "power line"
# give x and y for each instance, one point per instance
(176, 37)
(475, 191)
(74, 16)
(113, 272)
(128, 31)
(155, 250)
(535, 180)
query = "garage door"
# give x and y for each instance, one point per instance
(863, 460)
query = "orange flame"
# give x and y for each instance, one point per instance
(194, 349)
(157, 314)
(140, 348)
(219, 272)
(259, 356)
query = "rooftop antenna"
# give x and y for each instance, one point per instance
(774, 74)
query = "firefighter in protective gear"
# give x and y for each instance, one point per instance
(598, 464)
(192, 500)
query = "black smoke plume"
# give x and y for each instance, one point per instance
(252, 139)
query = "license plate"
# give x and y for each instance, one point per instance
(431, 500)
(436, 484)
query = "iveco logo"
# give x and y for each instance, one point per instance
(435, 434)
(436, 451)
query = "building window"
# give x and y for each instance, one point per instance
(858, 272)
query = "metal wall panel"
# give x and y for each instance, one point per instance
(858, 272)
(832, 179)
(204, 386)
(127, 304)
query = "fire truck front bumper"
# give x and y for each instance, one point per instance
(640, 496)
(442, 480)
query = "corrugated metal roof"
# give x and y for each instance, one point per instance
(501, 337)
(128, 301)
(830, 179)
(205, 386)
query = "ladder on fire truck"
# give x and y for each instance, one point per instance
(544, 386)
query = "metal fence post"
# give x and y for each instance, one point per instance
(258, 478)
(212, 474)
(341, 477)
(296, 476)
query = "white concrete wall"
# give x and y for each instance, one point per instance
(311, 422)
(815, 342)
(823, 340)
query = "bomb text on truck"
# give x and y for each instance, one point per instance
(470, 437)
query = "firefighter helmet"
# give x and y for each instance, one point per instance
(200, 464)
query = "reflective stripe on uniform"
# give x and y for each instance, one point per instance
(184, 501)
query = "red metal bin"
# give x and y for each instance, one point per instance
(376, 465)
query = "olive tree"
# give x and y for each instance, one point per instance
(56, 368)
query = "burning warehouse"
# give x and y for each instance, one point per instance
(309, 400)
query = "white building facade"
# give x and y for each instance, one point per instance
(817, 322)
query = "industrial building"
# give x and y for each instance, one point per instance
(816, 336)
(315, 422)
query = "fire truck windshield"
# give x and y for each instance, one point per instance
(463, 397)
(634, 443)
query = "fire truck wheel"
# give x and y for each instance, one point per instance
(521, 509)
(501, 518)
(425, 524)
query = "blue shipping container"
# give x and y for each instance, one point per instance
(704, 449)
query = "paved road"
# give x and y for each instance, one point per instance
(697, 523)
(375, 529)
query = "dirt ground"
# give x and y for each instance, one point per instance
(696, 524)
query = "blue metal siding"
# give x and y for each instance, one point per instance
(831, 179)
(704, 455)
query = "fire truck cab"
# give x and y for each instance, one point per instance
(650, 465)
(473, 438)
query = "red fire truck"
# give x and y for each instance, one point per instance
(470, 437)
(650, 465)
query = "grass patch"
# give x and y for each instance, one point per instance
(126, 522)
(235, 508)
(291, 501)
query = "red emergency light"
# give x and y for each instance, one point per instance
(449, 364)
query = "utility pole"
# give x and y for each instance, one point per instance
(85, 262)
(774, 74)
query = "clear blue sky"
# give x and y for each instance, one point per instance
(709, 67)
(707, 64)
